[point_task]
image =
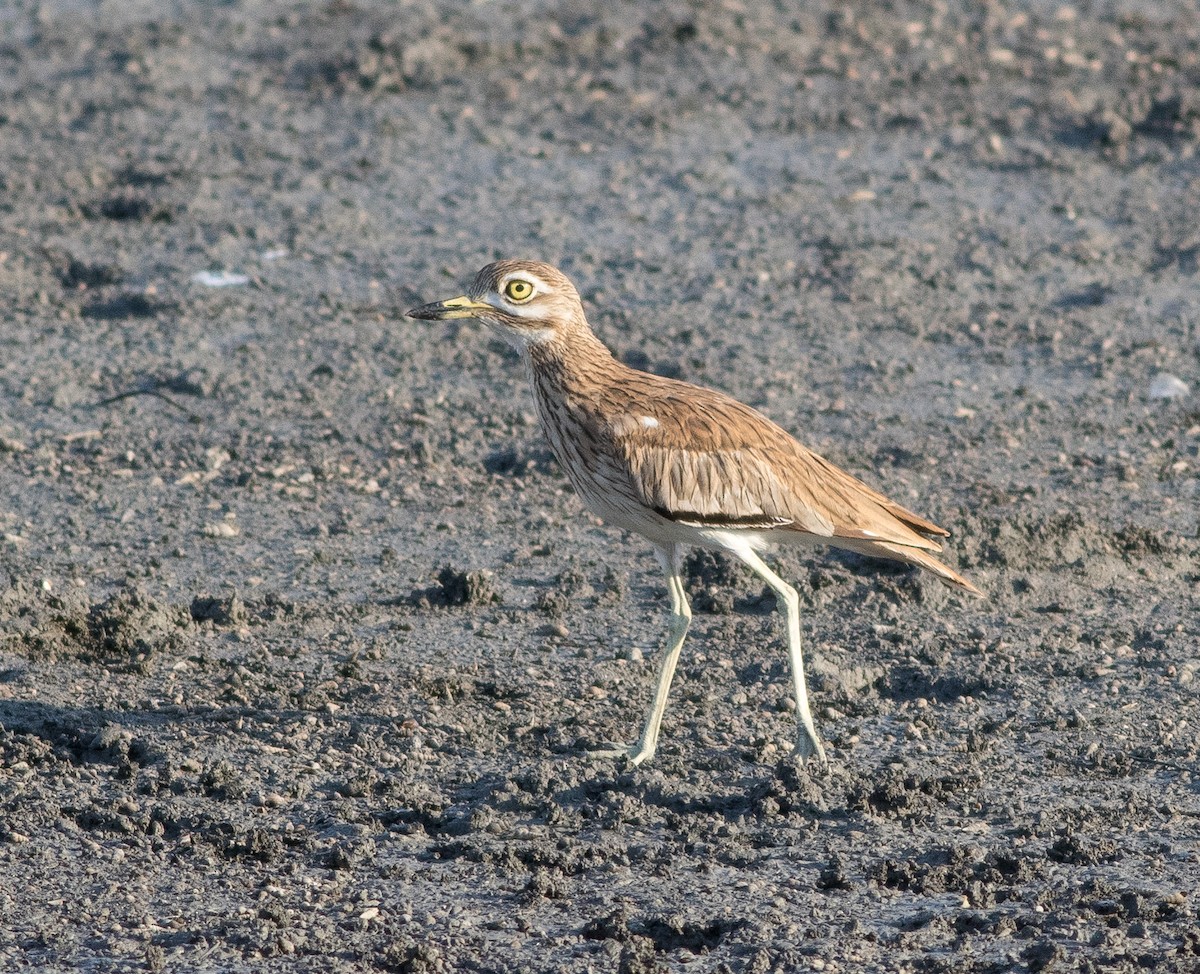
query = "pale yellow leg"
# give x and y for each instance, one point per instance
(808, 745)
(681, 617)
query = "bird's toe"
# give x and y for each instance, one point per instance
(809, 749)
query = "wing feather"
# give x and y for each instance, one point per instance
(710, 460)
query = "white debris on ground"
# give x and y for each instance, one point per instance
(219, 278)
(1167, 386)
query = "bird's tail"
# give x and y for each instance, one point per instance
(911, 556)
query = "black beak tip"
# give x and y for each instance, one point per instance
(426, 312)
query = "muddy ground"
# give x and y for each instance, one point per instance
(303, 636)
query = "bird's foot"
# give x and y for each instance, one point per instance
(808, 748)
(614, 752)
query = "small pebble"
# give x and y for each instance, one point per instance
(222, 529)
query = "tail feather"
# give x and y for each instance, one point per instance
(912, 556)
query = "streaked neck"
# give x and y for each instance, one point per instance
(573, 358)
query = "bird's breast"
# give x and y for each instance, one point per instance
(583, 436)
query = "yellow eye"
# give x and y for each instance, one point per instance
(518, 290)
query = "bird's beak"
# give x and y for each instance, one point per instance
(462, 307)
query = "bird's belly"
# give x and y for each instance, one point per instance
(607, 491)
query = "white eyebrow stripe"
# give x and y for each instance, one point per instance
(539, 286)
(650, 422)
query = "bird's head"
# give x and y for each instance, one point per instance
(525, 301)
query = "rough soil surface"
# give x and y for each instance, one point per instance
(303, 636)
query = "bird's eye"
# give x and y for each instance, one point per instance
(518, 290)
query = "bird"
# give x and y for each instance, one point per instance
(683, 466)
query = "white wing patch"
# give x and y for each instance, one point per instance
(628, 425)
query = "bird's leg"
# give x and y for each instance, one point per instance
(808, 745)
(681, 616)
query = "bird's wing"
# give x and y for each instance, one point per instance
(705, 459)
(730, 489)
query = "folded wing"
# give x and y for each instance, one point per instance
(708, 460)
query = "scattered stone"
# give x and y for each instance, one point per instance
(221, 529)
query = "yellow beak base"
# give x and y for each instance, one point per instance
(460, 307)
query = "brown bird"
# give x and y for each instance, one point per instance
(683, 465)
